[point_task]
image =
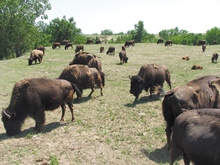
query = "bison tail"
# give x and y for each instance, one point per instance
(76, 89)
(103, 78)
(161, 90)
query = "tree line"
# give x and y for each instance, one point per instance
(20, 32)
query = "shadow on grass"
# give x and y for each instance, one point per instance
(144, 100)
(81, 100)
(119, 63)
(30, 131)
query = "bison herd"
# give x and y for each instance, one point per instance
(190, 111)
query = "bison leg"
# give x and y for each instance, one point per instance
(152, 89)
(168, 134)
(93, 89)
(174, 153)
(63, 106)
(186, 159)
(39, 118)
(71, 109)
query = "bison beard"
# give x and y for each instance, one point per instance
(31, 97)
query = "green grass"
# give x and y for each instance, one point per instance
(108, 129)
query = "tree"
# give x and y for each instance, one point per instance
(106, 32)
(213, 35)
(17, 20)
(139, 31)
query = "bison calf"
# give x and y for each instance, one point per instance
(111, 50)
(194, 67)
(149, 76)
(214, 57)
(196, 136)
(101, 49)
(55, 44)
(203, 48)
(185, 58)
(84, 77)
(35, 55)
(123, 56)
(31, 97)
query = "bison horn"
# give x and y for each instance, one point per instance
(9, 117)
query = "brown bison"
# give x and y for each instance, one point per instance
(214, 57)
(169, 43)
(159, 41)
(84, 78)
(79, 47)
(111, 50)
(36, 55)
(68, 45)
(31, 97)
(123, 56)
(194, 67)
(41, 48)
(202, 42)
(196, 136)
(149, 76)
(56, 44)
(185, 58)
(203, 48)
(98, 42)
(64, 42)
(89, 41)
(128, 43)
(214, 43)
(102, 49)
(199, 93)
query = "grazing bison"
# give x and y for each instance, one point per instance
(128, 43)
(68, 45)
(159, 41)
(35, 55)
(149, 76)
(84, 77)
(214, 43)
(56, 44)
(185, 58)
(203, 48)
(214, 57)
(89, 41)
(79, 47)
(169, 42)
(202, 42)
(41, 48)
(199, 93)
(194, 67)
(98, 42)
(196, 136)
(111, 50)
(102, 49)
(123, 56)
(64, 42)
(31, 97)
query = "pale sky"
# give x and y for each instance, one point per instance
(93, 16)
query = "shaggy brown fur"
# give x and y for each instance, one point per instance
(31, 97)
(185, 58)
(102, 49)
(35, 55)
(68, 45)
(84, 77)
(128, 43)
(194, 67)
(159, 41)
(214, 57)
(89, 41)
(78, 48)
(56, 44)
(111, 50)
(123, 56)
(41, 48)
(203, 48)
(169, 43)
(64, 42)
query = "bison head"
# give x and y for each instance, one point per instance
(30, 61)
(136, 86)
(126, 59)
(12, 123)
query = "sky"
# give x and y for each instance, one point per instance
(93, 16)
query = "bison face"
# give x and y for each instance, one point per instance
(30, 61)
(11, 124)
(136, 86)
(126, 59)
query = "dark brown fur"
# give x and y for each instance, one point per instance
(98, 42)
(196, 135)
(41, 48)
(79, 47)
(64, 42)
(159, 41)
(111, 50)
(214, 57)
(194, 67)
(199, 93)
(203, 48)
(169, 43)
(128, 43)
(89, 41)
(68, 45)
(84, 77)
(185, 58)
(149, 76)
(55, 44)
(36, 55)
(202, 42)
(102, 49)
(123, 56)
(31, 97)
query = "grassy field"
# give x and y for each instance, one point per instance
(109, 129)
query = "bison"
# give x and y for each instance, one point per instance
(203, 48)
(78, 48)
(149, 76)
(159, 41)
(32, 97)
(98, 42)
(55, 44)
(68, 45)
(214, 43)
(194, 67)
(196, 136)
(169, 42)
(123, 56)
(84, 78)
(214, 57)
(64, 42)
(102, 49)
(202, 42)
(35, 55)
(185, 58)
(111, 50)
(128, 43)
(198, 93)
(89, 41)
(41, 48)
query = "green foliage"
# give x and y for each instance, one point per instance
(17, 18)
(122, 39)
(213, 35)
(106, 32)
(53, 160)
(165, 34)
